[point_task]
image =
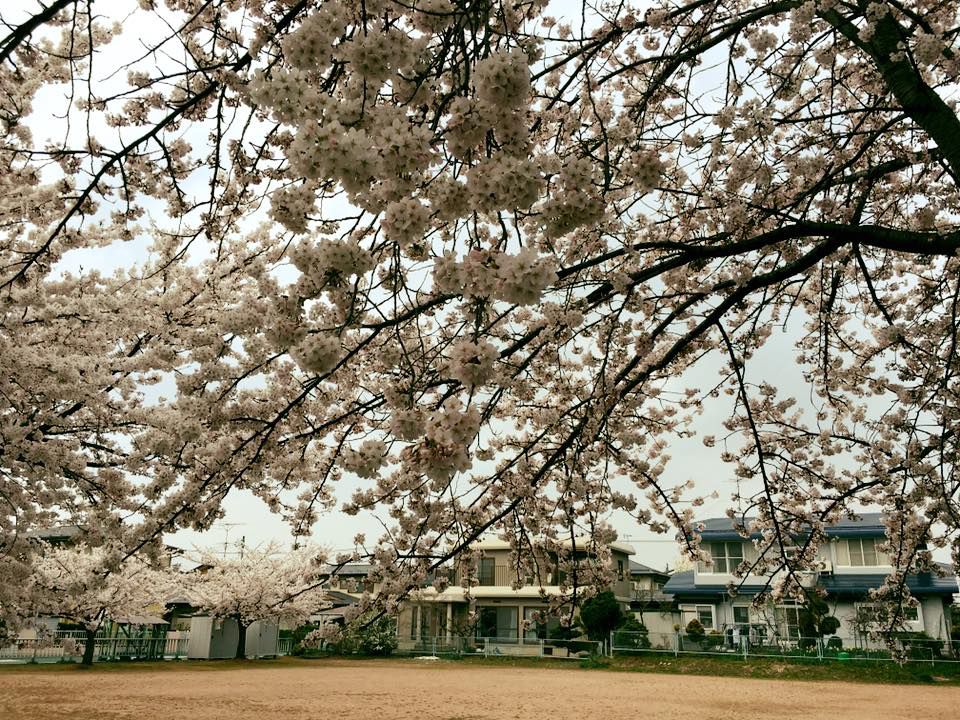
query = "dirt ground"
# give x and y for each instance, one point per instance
(383, 690)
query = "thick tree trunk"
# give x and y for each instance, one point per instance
(89, 646)
(241, 640)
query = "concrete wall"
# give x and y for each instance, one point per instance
(658, 621)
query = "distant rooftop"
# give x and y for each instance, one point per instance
(350, 569)
(581, 542)
(638, 568)
(58, 532)
(682, 585)
(866, 525)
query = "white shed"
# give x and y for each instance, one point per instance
(211, 638)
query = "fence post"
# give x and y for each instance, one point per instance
(744, 645)
(676, 643)
(820, 649)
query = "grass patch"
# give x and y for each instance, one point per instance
(862, 671)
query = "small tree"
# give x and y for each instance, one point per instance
(635, 633)
(815, 621)
(600, 615)
(89, 586)
(263, 584)
(695, 630)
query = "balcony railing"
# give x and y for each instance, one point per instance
(505, 575)
(498, 575)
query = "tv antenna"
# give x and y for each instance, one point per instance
(228, 526)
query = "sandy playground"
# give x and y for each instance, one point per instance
(382, 690)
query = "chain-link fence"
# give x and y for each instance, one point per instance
(747, 645)
(500, 647)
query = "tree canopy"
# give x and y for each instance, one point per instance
(472, 263)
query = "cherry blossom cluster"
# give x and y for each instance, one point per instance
(365, 460)
(519, 278)
(473, 363)
(318, 353)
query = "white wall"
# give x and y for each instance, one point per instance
(210, 639)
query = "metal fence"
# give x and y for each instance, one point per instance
(796, 648)
(69, 648)
(500, 647)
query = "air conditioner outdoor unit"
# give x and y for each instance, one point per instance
(826, 567)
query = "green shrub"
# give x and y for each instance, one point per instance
(369, 636)
(600, 615)
(835, 643)
(713, 639)
(297, 636)
(919, 645)
(562, 632)
(632, 633)
(695, 630)
(580, 646)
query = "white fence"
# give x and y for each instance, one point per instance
(69, 648)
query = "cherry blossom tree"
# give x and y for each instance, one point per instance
(86, 586)
(479, 260)
(263, 584)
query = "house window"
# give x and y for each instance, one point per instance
(703, 613)
(789, 617)
(619, 569)
(414, 616)
(860, 552)
(541, 624)
(488, 571)
(498, 622)
(869, 614)
(726, 556)
(741, 615)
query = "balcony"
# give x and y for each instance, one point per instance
(499, 575)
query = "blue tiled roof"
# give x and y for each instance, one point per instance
(924, 584)
(681, 585)
(866, 525)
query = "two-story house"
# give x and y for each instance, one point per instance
(649, 604)
(503, 611)
(849, 565)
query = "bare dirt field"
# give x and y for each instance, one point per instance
(383, 690)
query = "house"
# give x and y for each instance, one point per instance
(352, 579)
(849, 565)
(339, 603)
(649, 603)
(508, 608)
